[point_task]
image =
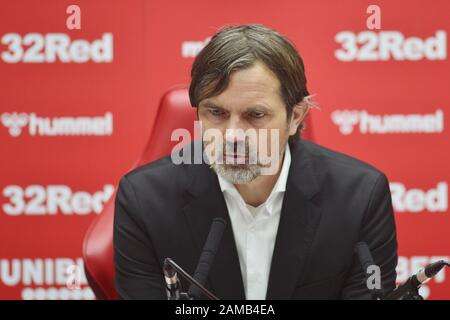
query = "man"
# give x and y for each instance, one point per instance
(291, 232)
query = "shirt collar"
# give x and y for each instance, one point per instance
(280, 185)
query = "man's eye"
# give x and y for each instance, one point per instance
(257, 114)
(216, 112)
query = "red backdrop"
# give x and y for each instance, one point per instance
(77, 107)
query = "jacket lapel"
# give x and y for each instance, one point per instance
(208, 203)
(300, 216)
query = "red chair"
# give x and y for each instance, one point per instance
(174, 112)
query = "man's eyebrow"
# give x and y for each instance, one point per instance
(255, 107)
(209, 104)
(258, 107)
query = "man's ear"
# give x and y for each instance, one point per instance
(299, 113)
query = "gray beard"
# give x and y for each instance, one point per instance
(237, 174)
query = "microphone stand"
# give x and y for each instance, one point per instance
(191, 280)
(413, 295)
(410, 289)
(170, 268)
(406, 291)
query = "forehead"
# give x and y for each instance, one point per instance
(257, 84)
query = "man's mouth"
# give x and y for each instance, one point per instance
(233, 158)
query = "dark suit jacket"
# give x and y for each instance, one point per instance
(331, 202)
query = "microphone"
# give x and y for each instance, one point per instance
(173, 285)
(411, 286)
(365, 258)
(207, 257)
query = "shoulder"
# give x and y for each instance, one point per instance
(158, 176)
(166, 176)
(333, 167)
(333, 158)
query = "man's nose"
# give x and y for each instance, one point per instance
(235, 135)
(235, 132)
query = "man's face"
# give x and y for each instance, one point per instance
(252, 101)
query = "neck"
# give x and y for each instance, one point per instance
(257, 191)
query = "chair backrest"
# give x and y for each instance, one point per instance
(174, 112)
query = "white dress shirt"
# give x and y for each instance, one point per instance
(255, 230)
